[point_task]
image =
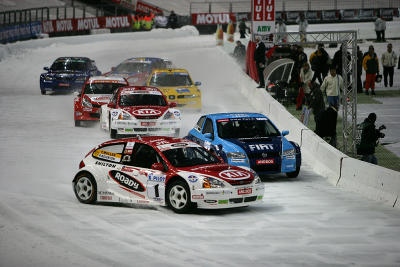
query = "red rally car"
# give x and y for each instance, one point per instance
(96, 91)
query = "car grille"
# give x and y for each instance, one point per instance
(250, 199)
(66, 78)
(147, 117)
(240, 182)
(241, 200)
(266, 168)
(96, 106)
(95, 115)
(236, 200)
(262, 155)
(140, 129)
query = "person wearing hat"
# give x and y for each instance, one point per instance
(332, 85)
(369, 138)
(320, 62)
(371, 67)
(389, 60)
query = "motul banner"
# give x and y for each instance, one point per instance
(70, 25)
(212, 18)
(145, 8)
(263, 18)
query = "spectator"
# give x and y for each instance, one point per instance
(300, 58)
(304, 90)
(259, 58)
(281, 28)
(332, 86)
(239, 52)
(380, 27)
(326, 126)
(303, 24)
(359, 70)
(320, 62)
(389, 60)
(338, 62)
(315, 101)
(173, 20)
(161, 21)
(371, 67)
(369, 138)
(242, 28)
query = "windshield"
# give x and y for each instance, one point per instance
(132, 67)
(190, 156)
(245, 128)
(69, 64)
(102, 88)
(142, 100)
(170, 79)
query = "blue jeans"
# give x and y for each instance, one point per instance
(333, 101)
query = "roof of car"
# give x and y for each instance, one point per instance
(107, 78)
(144, 59)
(170, 70)
(232, 115)
(150, 140)
(139, 88)
(74, 58)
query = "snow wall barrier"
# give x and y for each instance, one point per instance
(371, 181)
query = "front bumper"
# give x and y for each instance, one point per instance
(87, 114)
(186, 103)
(146, 127)
(221, 198)
(61, 86)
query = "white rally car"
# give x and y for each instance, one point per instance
(164, 171)
(140, 110)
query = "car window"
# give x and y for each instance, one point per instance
(144, 156)
(246, 128)
(111, 153)
(190, 156)
(208, 127)
(276, 74)
(141, 100)
(286, 74)
(170, 79)
(199, 123)
(101, 88)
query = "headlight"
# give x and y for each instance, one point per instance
(189, 96)
(124, 116)
(212, 183)
(169, 116)
(48, 78)
(86, 103)
(171, 97)
(257, 179)
(289, 152)
(236, 155)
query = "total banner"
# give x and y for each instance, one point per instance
(263, 19)
(213, 18)
(70, 25)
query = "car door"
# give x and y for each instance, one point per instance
(139, 166)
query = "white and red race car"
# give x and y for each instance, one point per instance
(140, 110)
(164, 171)
(96, 91)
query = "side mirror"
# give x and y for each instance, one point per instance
(172, 104)
(208, 136)
(78, 94)
(157, 166)
(285, 133)
(197, 83)
(46, 68)
(110, 105)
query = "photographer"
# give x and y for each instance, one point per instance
(369, 138)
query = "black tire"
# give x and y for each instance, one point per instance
(178, 197)
(43, 92)
(85, 188)
(293, 174)
(77, 123)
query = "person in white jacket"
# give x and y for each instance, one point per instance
(281, 27)
(389, 60)
(303, 24)
(380, 27)
(332, 85)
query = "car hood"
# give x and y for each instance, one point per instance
(99, 98)
(177, 89)
(257, 145)
(231, 174)
(141, 112)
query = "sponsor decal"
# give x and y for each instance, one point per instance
(291, 157)
(105, 164)
(99, 153)
(145, 8)
(150, 123)
(261, 119)
(223, 120)
(261, 147)
(156, 178)
(210, 201)
(88, 23)
(128, 169)
(127, 181)
(212, 18)
(265, 161)
(213, 193)
(177, 113)
(106, 198)
(259, 197)
(234, 174)
(129, 145)
(245, 191)
(181, 91)
(146, 111)
(193, 178)
(223, 201)
(105, 193)
(142, 201)
(114, 113)
(198, 196)
(128, 151)
(176, 145)
(100, 98)
(289, 166)
(179, 145)
(63, 84)
(237, 160)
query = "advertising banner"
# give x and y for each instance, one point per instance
(69, 25)
(19, 32)
(145, 8)
(212, 18)
(263, 19)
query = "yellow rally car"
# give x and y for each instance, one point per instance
(177, 87)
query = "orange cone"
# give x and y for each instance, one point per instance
(220, 35)
(229, 32)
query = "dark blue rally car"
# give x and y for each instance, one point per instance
(249, 140)
(67, 74)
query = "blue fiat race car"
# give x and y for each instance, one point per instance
(67, 74)
(249, 140)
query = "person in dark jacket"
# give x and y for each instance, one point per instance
(369, 138)
(242, 28)
(359, 70)
(371, 67)
(259, 58)
(239, 52)
(173, 20)
(320, 62)
(315, 100)
(338, 62)
(326, 126)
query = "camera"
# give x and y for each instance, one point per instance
(380, 134)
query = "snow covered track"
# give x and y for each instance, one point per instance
(304, 221)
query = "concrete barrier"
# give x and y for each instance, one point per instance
(372, 181)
